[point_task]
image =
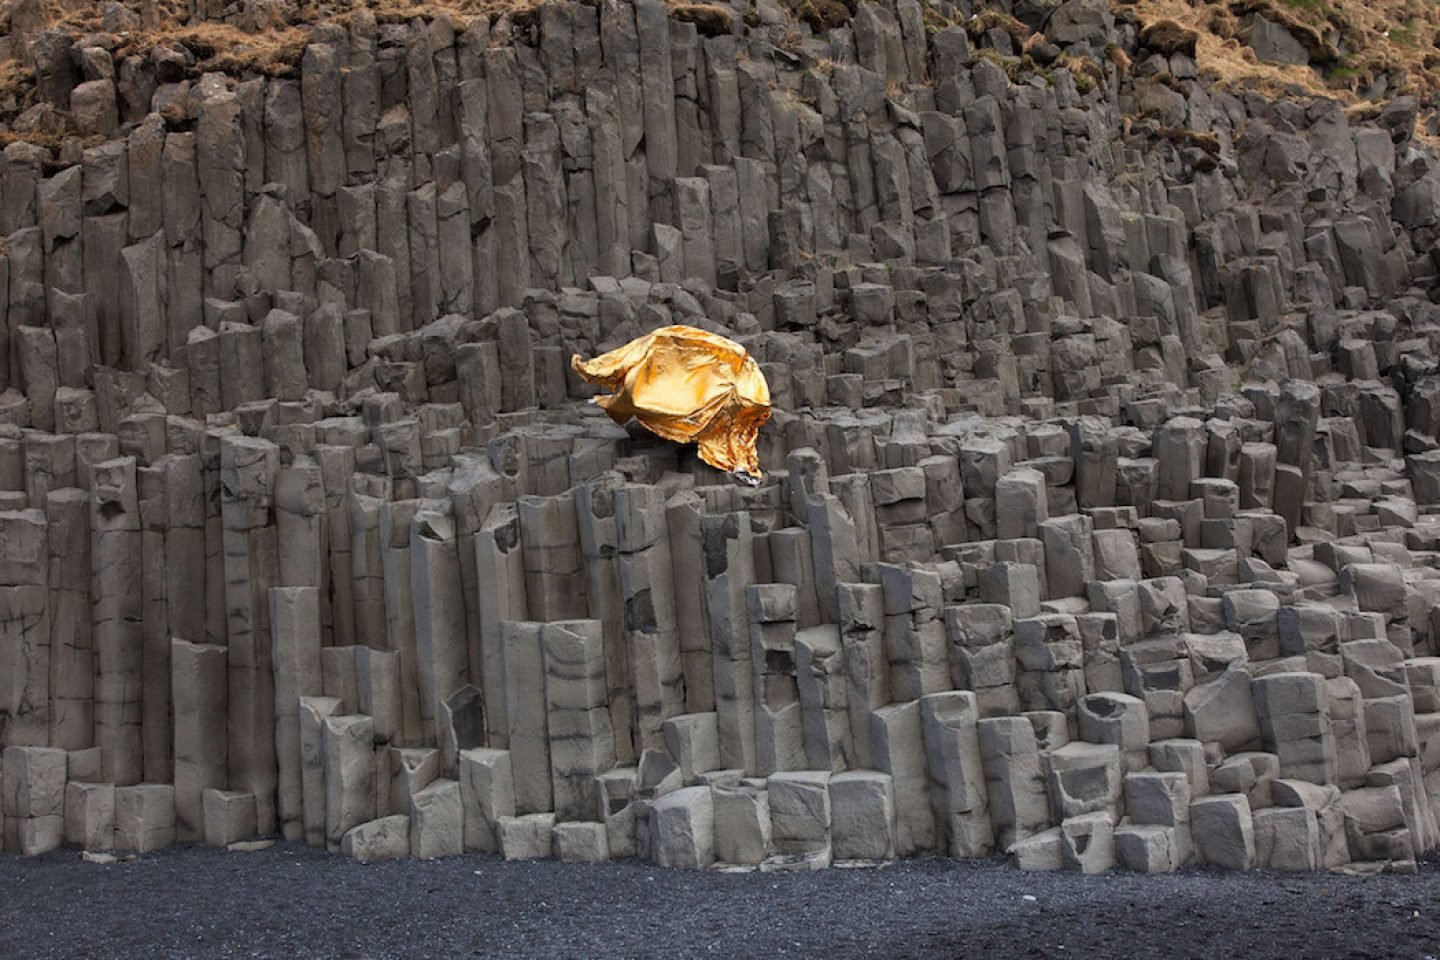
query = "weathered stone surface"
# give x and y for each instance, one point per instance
(682, 828)
(349, 775)
(1094, 447)
(578, 842)
(1223, 830)
(229, 817)
(437, 821)
(487, 793)
(387, 838)
(34, 796)
(862, 815)
(198, 684)
(144, 817)
(530, 837)
(957, 778)
(742, 823)
(90, 815)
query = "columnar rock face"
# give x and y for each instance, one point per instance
(1101, 518)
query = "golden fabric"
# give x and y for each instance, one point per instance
(687, 385)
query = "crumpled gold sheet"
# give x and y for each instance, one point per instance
(686, 385)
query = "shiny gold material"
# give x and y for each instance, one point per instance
(687, 385)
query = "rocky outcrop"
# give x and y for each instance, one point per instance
(1099, 517)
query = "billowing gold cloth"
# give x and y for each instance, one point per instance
(687, 385)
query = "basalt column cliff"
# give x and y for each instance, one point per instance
(1101, 513)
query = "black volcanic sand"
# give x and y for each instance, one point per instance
(294, 902)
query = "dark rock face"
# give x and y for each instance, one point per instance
(1275, 44)
(1099, 523)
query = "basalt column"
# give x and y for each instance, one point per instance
(116, 618)
(248, 471)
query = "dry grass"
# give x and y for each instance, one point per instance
(403, 11)
(990, 19)
(218, 46)
(1119, 58)
(461, 12)
(1087, 73)
(272, 48)
(1221, 57)
(1183, 137)
(1169, 38)
(47, 141)
(15, 77)
(822, 15)
(1353, 41)
(710, 19)
(171, 17)
(1394, 37)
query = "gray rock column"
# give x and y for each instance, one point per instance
(322, 104)
(957, 778)
(595, 514)
(1294, 714)
(526, 715)
(487, 793)
(498, 562)
(221, 154)
(1296, 415)
(779, 743)
(186, 570)
(824, 698)
(349, 763)
(295, 633)
(457, 284)
(25, 639)
(1180, 446)
(914, 633)
(982, 655)
(692, 210)
(199, 688)
(582, 741)
(867, 669)
(1014, 778)
(72, 651)
(898, 748)
(682, 514)
(314, 711)
(395, 551)
(657, 85)
(612, 211)
(183, 209)
(729, 569)
(651, 630)
(423, 229)
(545, 202)
(155, 627)
(36, 355)
(249, 466)
(337, 464)
(442, 655)
(367, 568)
(116, 618)
(554, 574)
(834, 550)
(32, 798)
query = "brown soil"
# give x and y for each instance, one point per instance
(1167, 37)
